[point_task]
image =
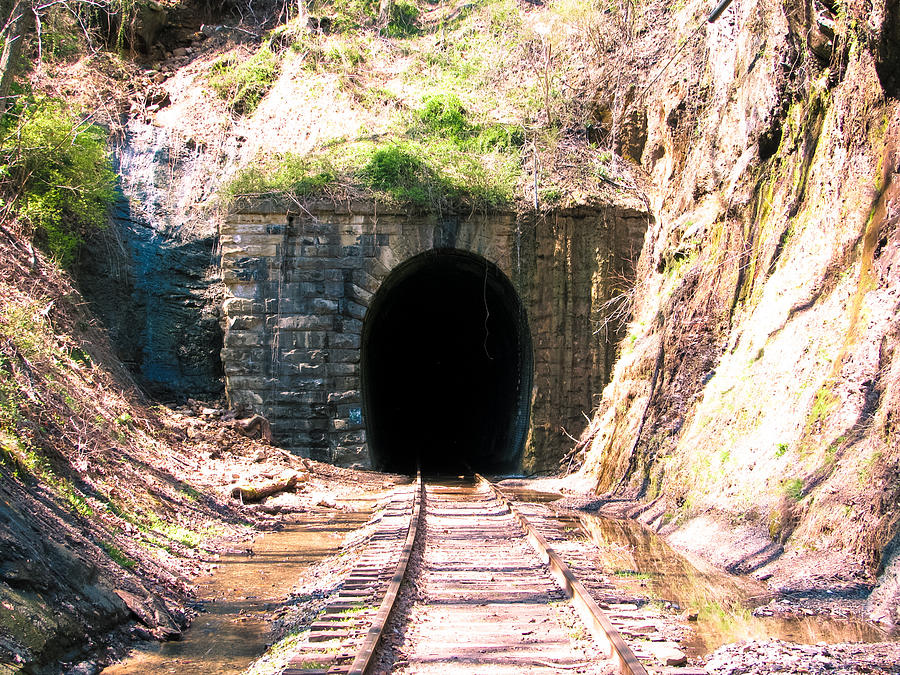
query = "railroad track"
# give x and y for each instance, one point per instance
(491, 601)
(345, 636)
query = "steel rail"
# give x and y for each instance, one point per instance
(364, 656)
(368, 581)
(594, 618)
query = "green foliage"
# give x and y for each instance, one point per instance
(55, 174)
(402, 20)
(444, 113)
(288, 173)
(443, 116)
(438, 175)
(24, 324)
(346, 15)
(400, 170)
(241, 82)
(124, 420)
(781, 449)
(793, 489)
(443, 161)
(59, 36)
(118, 555)
(10, 399)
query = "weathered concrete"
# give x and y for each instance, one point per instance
(299, 283)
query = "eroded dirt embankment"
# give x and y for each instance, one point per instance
(753, 405)
(110, 507)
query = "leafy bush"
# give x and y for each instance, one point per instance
(242, 83)
(402, 20)
(444, 113)
(55, 174)
(287, 173)
(399, 170)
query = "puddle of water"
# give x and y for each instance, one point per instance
(524, 493)
(723, 601)
(232, 631)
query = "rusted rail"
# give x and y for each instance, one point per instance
(602, 629)
(344, 638)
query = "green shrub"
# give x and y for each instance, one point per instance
(401, 171)
(402, 21)
(500, 137)
(288, 173)
(55, 172)
(242, 83)
(444, 113)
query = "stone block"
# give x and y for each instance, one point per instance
(365, 281)
(237, 338)
(352, 455)
(349, 263)
(307, 397)
(359, 293)
(244, 367)
(343, 369)
(324, 306)
(310, 370)
(346, 411)
(355, 310)
(334, 289)
(308, 322)
(298, 356)
(239, 382)
(243, 397)
(344, 341)
(351, 437)
(236, 306)
(252, 250)
(388, 226)
(344, 356)
(346, 383)
(347, 325)
(344, 398)
(243, 291)
(349, 229)
(246, 323)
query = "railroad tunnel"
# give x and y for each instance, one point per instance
(446, 367)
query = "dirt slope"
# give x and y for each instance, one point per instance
(755, 397)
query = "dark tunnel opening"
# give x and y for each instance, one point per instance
(446, 367)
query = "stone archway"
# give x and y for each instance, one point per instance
(446, 367)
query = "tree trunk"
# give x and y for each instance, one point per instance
(19, 19)
(385, 9)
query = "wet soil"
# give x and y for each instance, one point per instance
(729, 623)
(729, 607)
(233, 626)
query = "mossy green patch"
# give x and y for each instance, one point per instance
(243, 82)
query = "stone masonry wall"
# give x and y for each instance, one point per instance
(299, 282)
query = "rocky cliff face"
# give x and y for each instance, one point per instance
(758, 381)
(152, 277)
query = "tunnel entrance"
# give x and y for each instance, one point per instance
(446, 367)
